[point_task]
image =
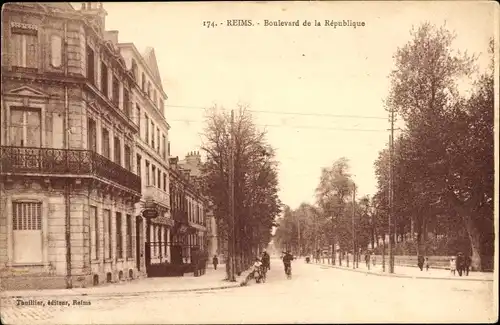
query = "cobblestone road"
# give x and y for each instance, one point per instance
(315, 294)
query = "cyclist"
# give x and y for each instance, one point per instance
(287, 262)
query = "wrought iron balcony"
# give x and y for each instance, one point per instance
(48, 161)
(156, 195)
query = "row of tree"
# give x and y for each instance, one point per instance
(337, 221)
(256, 202)
(442, 164)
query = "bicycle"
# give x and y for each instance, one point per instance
(288, 271)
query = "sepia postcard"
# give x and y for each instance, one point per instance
(249, 162)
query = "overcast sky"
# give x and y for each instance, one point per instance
(304, 70)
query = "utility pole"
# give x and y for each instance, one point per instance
(391, 203)
(353, 229)
(231, 200)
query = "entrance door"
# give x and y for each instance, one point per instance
(138, 242)
(176, 254)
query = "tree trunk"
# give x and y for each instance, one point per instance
(475, 241)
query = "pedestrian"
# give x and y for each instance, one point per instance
(215, 261)
(367, 260)
(427, 264)
(420, 262)
(467, 263)
(453, 266)
(373, 260)
(460, 262)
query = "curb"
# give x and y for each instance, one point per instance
(404, 275)
(125, 294)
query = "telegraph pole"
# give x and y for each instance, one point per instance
(391, 203)
(353, 229)
(231, 200)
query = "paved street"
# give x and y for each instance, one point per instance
(315, 294)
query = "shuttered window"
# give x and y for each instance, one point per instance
(27, 232)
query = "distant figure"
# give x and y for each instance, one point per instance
(453, 265)
(467, 264)
(460, 262)
(367, 260)
(266, 260)
(427, 264)
(420, 262)
(215, 261)
(373, 260)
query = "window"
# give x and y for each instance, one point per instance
(126, 102)
(162, 106)
(152, 135)
(149, 90)
(90, 65)
(168, 149)
(118, 151)
(128, 157)
(139, 172)
(138, 114)
(105, 144)
(143, 82)
(165, 182)
(147, 128)
(91, 134)
(25, 127)
(164, 149)
(129, 236)
(159, 178)
(153, 173)
(24, 48)
(107, 233)
(104, 79)
(155, 239)
(94, 233)
(148, 180)
(119, 236)
(27, 232)
(56, 51)
(155, 97)
(116, 91)
(158, 139)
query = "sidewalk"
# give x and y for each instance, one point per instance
(211, 280)
(414, 272)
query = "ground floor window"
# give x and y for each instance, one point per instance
(27, 232)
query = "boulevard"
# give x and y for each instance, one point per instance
(315, 294)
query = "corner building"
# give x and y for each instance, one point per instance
(67, 178)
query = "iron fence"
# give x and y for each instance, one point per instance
(65, 161)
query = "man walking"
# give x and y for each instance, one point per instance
(215, 261)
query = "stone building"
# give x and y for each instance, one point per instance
(188, 211)
(192, 162)
(68, 184)
(152, 150)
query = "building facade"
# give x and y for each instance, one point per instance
(192, 162)
(68, 184)
(152, 151)
(188, 210)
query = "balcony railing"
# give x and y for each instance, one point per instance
(63, 161)
(157, 195)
